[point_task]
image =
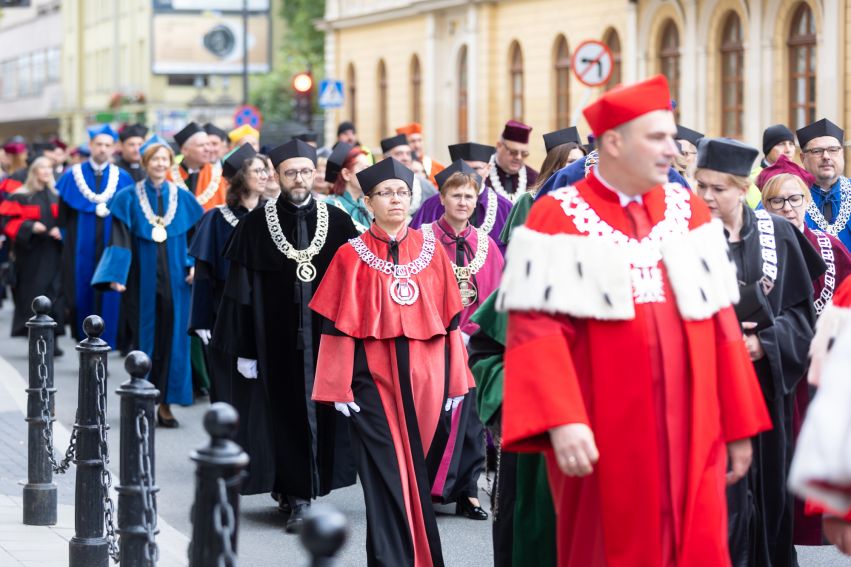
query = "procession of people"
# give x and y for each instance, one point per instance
(619, 343)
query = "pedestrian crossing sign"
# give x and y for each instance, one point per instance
(331, 93)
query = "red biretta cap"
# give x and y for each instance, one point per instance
(412, 128)
(625, 103)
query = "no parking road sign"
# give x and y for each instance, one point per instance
(248, 114)
(592, 63)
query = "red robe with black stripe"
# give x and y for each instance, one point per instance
(663, 395)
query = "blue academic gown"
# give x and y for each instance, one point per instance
(85, 237)
(575, 171)
(834, 196)
(155, 273)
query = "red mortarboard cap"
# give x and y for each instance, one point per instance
(412, 128)
(515, 131)
(625, 103)
(784, 165)
(56, 141)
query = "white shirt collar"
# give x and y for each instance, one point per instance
(622, 197)
(96, 167)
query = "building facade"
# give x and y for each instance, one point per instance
(464, 67)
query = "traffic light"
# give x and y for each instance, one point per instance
(303, 97)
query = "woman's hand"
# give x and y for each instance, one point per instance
(55, 233)
(752, 342)
(115, 286)
(190, 277)
(39, 228)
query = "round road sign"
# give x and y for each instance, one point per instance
(592, 63)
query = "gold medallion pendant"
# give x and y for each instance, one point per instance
(159, 234)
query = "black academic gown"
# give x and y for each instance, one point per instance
(211, 269)
(761, 508)
(134, 170)
(36, 258)
(298, 448)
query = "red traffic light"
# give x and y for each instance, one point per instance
(303, 82)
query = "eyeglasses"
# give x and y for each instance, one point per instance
(795, 201)
(293, 173)
(260, 171)
(818, 152)
(516, 153)
(401, 193)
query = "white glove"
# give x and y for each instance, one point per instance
(466, 338)
(452, 403)
(344, 407)
(247, 367)
(205, 335)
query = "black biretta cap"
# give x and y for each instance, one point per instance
(233, 162)
(213, 130)
(775, 134)
(188, 131)
(388, 144)
(382, 171)
(471, 151)
(336, 160)
(292, 149)
(133, 131)
(726, 155)
(455, 167)
(688, 135)
(823, 127)
(559, 137)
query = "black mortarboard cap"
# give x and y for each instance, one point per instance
(388, 144)
(726, 155)
(213, 130)
(382, 171)
(188, 131)
(559, 137)
(775, 134)
(133, 131)
(292, 149)
(688, 135)
(336, 160)
(234, 160)
(456, 166)
(471, 151)
(40, 147)
(823, 127)
(307, 136)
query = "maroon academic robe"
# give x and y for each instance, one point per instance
(399, 363)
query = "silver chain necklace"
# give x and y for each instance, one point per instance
(305, 270)
(159, 224)
(490, 212)
(208, 191)
(100, 199)
(403, 290)
(228, 215)
(497, 184)
(844, 210)
(647, 283)
(768, 250)
(829, 258)
(464, 274)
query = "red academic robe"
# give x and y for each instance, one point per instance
(399, 363)
(662, 395)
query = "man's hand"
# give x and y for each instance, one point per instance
(752, 342)
(838, 532)
(740, 454)
(38, 227)
(55, 233)
(575, 449)
(115, 286)
(190, 277)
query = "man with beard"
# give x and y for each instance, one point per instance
(131, 138)
(278, 254)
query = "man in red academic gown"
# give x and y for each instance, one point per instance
(625, 364)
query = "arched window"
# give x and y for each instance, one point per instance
(669, 58)
(352, 88)
(515, 58)
(463, 108)
(802, 68)
(416, 90)
(382, 99)
(613, 42)
(732, 76)
(561, 70)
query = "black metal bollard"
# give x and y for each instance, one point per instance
(324, 532)
(137, 509)
(218, 476)
(40, 491)
(89, 547)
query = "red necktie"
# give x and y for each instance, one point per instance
(640, 219)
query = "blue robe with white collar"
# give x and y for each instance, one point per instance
(834, 196)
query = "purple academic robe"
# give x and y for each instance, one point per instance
(431, 210)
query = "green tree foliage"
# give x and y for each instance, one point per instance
(303, 47)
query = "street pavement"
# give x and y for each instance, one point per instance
(262, 539)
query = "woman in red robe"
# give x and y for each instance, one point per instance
(477, 263)
(393, 360)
